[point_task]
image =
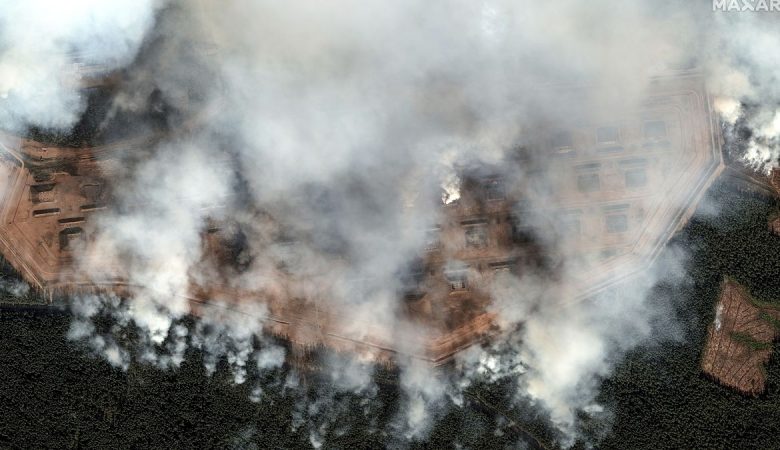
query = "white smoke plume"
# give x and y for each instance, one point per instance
(343, 122)
(745, 78)
(13, 287)
(47, 46)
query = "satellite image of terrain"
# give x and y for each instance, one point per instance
(498, 224)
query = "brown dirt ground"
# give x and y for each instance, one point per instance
(50, 196)
(774, 226)
(774, 179)
(726, 358)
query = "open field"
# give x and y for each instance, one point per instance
(739, 342)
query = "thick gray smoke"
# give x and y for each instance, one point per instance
(340, 124)
(744, 73)
(46, 46)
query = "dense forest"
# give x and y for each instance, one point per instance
(56, 395)
(658, 395)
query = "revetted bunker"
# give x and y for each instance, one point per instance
(623, 186)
